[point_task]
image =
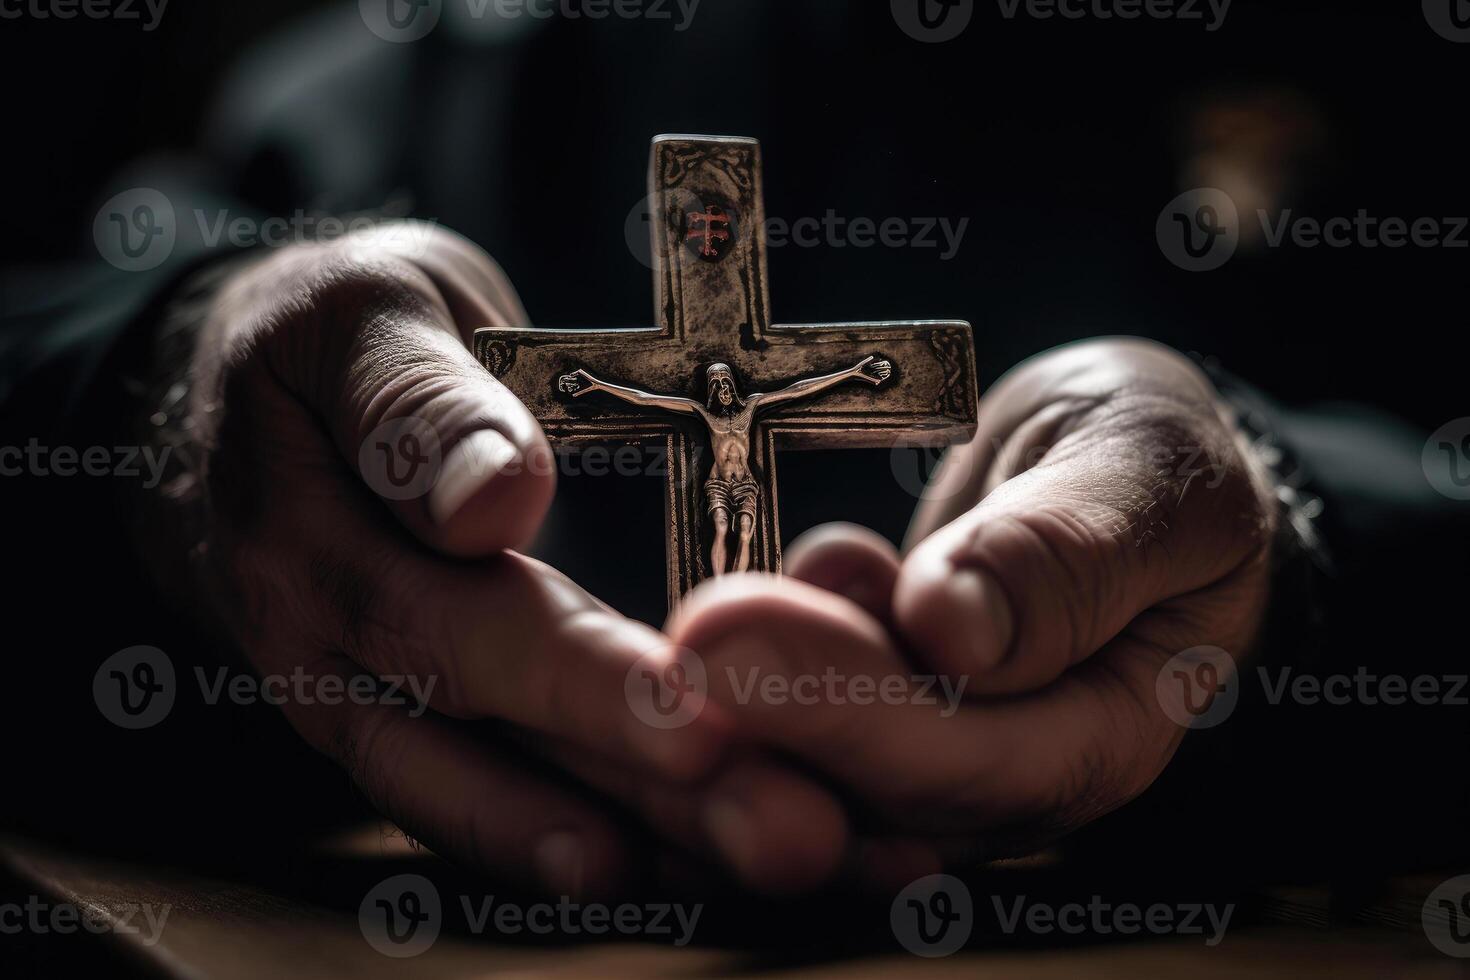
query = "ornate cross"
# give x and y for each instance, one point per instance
(720, 387)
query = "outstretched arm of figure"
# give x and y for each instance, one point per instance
(870, 369)
(582, 382)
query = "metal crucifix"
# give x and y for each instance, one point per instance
(679, 383)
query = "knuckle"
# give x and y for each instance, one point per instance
(321, 304)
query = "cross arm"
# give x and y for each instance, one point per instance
(534, 364)
(928, 399)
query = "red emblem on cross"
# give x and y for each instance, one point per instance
(710, 225)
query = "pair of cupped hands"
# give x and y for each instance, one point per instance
(1105, 518)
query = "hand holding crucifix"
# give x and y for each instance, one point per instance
(713, 305)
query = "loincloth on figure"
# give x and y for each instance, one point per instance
(734, 498)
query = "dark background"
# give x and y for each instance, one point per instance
(1069, 136)
(1060, 141)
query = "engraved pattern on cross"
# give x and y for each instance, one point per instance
(715, 310)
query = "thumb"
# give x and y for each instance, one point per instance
(1142, 501)
(382, 362)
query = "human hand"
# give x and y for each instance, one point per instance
(1105, 518)
(360, 481)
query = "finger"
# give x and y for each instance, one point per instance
(1088, 742)
(1129, 506)
(778, 831)
(505, 637)
(459, 797)
(370, 344)
(515, 640)
(851, 561)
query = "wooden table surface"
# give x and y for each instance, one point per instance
(224, 927)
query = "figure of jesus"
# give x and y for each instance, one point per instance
(731, 492)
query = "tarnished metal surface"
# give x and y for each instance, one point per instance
(713, 307)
